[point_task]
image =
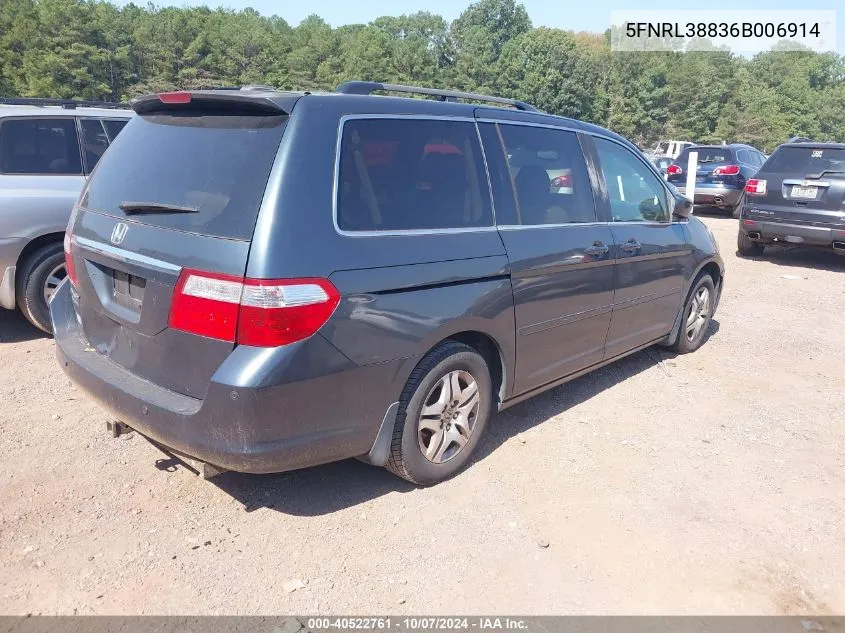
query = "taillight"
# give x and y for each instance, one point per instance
(174, 97)
(755, 187)
(69, 266)
(564, 180)
(258, 312)
(726, 170)
(281, 311)
(674, 170)
(206, 304)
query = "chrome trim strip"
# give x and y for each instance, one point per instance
(806, 183)
(402, 232)
(126, 256)
(412, 232)
(522, 227)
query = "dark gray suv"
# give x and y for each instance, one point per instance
(266, 280)
(796, 199)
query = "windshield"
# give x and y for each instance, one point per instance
(802, 161)
(216, 166)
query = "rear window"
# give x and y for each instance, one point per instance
(706, 155)
(218, 165)
(803, 161)
(411, 174)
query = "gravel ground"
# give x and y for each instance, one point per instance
(708, 483)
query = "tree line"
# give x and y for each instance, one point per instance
(92, 49)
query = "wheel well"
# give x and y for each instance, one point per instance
(489, 350)
(712, 269)
(38, 242)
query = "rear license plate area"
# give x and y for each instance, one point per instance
(128, 290)
(805, 193)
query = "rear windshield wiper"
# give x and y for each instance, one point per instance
(131, 208)
(822, 173)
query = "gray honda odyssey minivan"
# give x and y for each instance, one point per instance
(264, 281)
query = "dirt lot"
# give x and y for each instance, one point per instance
(709, 483)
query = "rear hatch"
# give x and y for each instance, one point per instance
(716, 167)
(800, 183)
(179, 190)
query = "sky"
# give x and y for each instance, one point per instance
(589, 15)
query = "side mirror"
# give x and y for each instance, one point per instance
(683, 206)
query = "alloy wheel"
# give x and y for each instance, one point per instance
(448, 416)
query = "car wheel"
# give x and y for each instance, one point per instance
(442, 414)
(746, 246)
(38, 279)
(696, 316)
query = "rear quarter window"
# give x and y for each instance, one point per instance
(113, 127)
(412, 174)
(39, 146)
(216, 164)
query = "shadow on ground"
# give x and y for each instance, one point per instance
(325, 489)
(801, 257)
(16, 329)
(712, 212)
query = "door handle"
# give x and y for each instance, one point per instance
(631, 246)
(598, 249)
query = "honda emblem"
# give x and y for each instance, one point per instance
(118, 233)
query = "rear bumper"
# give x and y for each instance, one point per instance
(714, 195)
(264, 410)
(798, 234)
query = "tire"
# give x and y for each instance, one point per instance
(694, 330)
(46, 262)
(746, 246)
(425, 389)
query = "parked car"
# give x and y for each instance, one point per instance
(47, 148)
(721, 175)
(797, 197)
(266, 281)
(662, 164)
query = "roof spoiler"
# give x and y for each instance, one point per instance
(250, 100)
(368, 87)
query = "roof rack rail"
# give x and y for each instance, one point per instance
(68, 104)
(800, 139)
(368, 87)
